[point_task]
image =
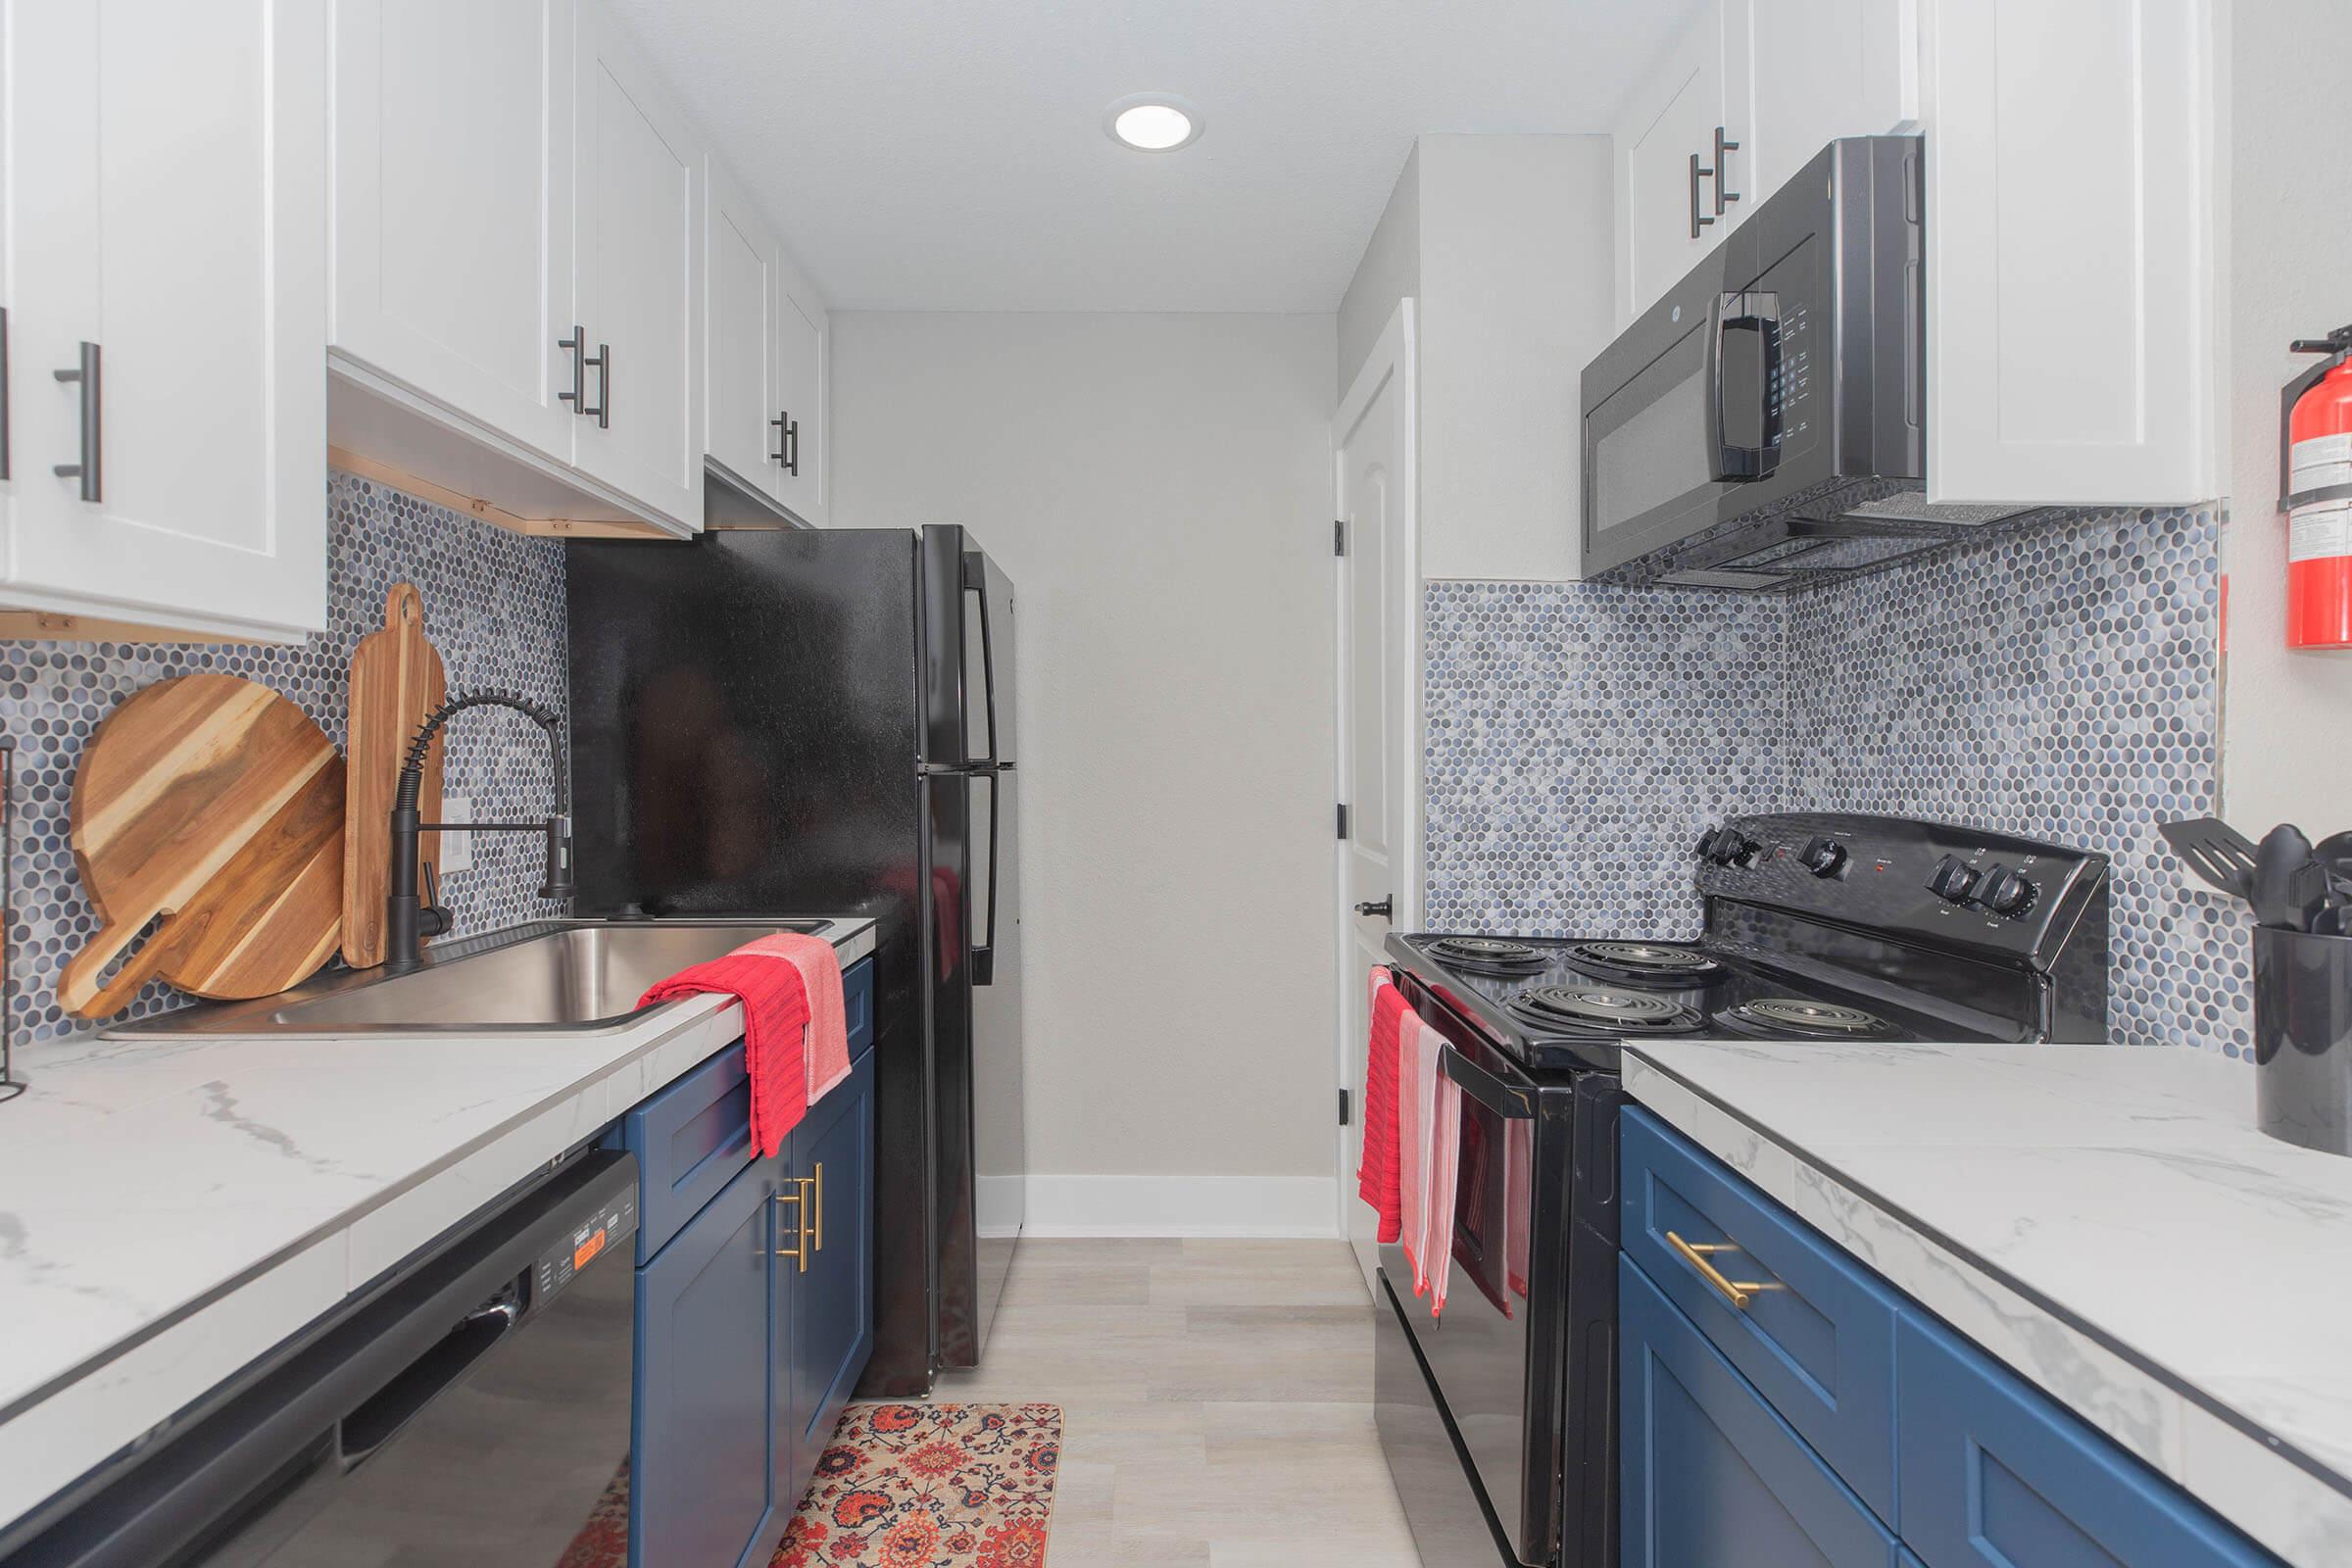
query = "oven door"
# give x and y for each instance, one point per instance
(1492, 1356)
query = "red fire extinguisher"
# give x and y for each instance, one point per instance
(2316, 480)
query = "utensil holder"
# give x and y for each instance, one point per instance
(2303, 1038)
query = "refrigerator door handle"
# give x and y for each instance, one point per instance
(975, 581)
(984, 954)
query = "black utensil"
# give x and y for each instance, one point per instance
(2214, 849)
(2290, 886)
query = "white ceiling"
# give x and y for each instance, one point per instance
(950, 154)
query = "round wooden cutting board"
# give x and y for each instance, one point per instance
(217, 804)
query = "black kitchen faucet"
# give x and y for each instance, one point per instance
(408, 919)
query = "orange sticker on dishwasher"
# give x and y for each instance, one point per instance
(587, 1249)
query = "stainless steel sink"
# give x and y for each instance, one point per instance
(558, 976)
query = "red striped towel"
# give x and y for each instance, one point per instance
(796, 1043)
(1376, 1173)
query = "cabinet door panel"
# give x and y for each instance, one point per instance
(739, 340)
(641, 280)
(453, 215)
(2070, 265)
(801, 342)
(1709, 1473)
(833, 1311)
(137, 125)
(1671, 117)
(1818, 71)
(711, 1313)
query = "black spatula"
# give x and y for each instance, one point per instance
(2217, 852)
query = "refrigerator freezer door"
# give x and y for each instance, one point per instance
(967, 655)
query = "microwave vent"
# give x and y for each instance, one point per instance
(1909, 505)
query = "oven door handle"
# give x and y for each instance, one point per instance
(1507, 1100)
(1755, 311)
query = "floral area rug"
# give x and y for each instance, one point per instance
(930, 1486)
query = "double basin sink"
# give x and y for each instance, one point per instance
(550, 977)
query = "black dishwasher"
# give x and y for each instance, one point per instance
(471, 1409)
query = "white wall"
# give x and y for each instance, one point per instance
(1159, 488)
(1505, 241)
(2287, 750)
(1390, 271)
(1516, 271)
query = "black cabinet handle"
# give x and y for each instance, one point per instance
(601, 358)
(1698, 219)
(94, 415)
(1723, 198)
(579, 344)
(793, 466)
(788, 442)
(1379, 907)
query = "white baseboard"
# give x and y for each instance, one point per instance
(1182, 1205)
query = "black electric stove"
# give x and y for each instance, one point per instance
(1498, 1418)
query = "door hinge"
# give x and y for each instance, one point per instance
(1343, 1108)
(1343, 821)
(1339, 536)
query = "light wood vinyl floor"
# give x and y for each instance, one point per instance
(1217, 1399)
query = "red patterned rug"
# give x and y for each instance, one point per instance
(900, 1486)
(930, 1486)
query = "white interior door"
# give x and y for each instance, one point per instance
(1379, 708)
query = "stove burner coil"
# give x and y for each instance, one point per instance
(1825, 1020)
(1487, 954)
(1595, 1010)
(1651, 961)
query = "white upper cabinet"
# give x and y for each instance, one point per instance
(1750, 92)
(1665, 140)
(2070, 269)
(166, 206)
(764, 354)
(1805, 73)
(453, 206)
(803, 336)
(742, 260)
(639, 270)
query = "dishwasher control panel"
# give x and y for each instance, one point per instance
(590, 1237)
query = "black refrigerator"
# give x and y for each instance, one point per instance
(821, 723)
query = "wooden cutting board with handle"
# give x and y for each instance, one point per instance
(396, 681)
(215, 803)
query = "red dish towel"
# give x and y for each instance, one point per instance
(1429, 1124)
(1376, 1173)
(796, 1043)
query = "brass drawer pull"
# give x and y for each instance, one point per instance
(1736, 1291)
(819, 1234)
(797, 1198)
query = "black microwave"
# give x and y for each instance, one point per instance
(1764, 423)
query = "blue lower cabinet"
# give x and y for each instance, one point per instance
(711, 1329)
(1994, 1474)
(1710, 1474)
(831, 1154)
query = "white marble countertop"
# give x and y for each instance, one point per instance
(170, 1209)
(2106, 1219)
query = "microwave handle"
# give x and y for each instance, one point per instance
(1755, 311)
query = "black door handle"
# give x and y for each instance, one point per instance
(1381, 908)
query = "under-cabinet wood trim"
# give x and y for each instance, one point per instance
(439, 495)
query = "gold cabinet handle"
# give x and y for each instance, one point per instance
(798, 1252)
(820, 1205)
(1736, 1291)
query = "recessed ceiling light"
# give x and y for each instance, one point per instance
(1153, 122)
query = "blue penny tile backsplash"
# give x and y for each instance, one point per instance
(2059, 683)
(1574, 731)
(494, 609)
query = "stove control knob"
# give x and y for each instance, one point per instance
(2004, 892)
(1706, 842)
(1731, 847)
(1822, 857)
(1953, 881)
